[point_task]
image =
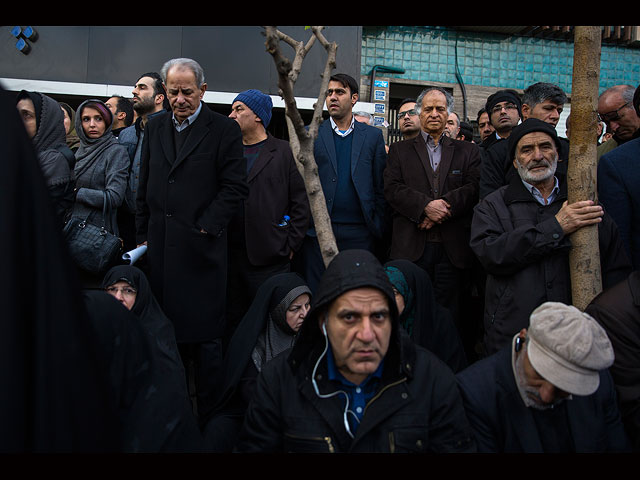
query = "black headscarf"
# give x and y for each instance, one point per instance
(263, 326)
(54, 390)
(430, 325)
(146, 307)
(262, 334)
(162, 419)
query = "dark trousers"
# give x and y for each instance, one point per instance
(127, 228)
(243, 281)
(348, 237)
(203, 368)
(449, 282)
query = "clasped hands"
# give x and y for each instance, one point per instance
(436, 211)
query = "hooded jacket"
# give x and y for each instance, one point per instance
(48, 141)
(417, 407)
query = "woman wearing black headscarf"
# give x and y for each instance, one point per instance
(269, 327)
(166, 421)
(428, 324)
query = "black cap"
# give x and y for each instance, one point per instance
(528, 126)
(503, 96)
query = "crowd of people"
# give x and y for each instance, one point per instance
(444, 324)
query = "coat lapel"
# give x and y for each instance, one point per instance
(445, 161)
(199, 130)
(166, 138)
(356, 146)
(326, 136)
(265, 156)
(423, 155)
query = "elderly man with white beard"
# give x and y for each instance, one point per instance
(521, 235)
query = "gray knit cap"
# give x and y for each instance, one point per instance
(568, 347)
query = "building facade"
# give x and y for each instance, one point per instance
(72, 63)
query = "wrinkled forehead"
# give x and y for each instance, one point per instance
(535, 138)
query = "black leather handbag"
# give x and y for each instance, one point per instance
(93, 247)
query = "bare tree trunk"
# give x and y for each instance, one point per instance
(584, 257)
(302, 137)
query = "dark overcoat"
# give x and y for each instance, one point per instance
(619, 193)
(276, 188)
(201, 188)
(617, 309)
(409, 186)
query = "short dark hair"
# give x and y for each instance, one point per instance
(346, 81)
(541, 92)
(125, 105)
(480, 112)
(158, 87)
(406, 100)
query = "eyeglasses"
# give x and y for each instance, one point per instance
(401, 115)
(506, 106)
(612, 116)
(126, 291)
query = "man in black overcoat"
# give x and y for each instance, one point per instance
(192, 181)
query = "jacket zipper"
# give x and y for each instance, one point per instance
(326, 440)
(392, 443)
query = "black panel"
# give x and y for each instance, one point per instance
(233, 57)
(59, 54)
(119, 55)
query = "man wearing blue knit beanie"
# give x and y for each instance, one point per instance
(270, 227)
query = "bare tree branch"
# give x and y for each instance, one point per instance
(302, 138)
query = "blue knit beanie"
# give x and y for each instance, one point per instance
(258, 102)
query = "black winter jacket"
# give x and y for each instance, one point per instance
(417, 407)
(525, 253)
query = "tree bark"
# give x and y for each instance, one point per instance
(584, 257)
(302, 137)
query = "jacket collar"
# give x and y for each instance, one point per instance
(199, 130)
(517, 192)
(264, 157)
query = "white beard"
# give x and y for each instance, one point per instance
(533, 179)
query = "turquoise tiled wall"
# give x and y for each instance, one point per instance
(487, 59)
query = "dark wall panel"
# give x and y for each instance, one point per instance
(233, 57)
(118, 55)
(60, 53)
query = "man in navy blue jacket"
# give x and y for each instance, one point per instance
(351, 158)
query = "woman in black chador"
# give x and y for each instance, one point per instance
(268, 328)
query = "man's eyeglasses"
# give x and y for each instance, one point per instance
(506, 106)
(127, 291)
(401, 115)
(612, 116)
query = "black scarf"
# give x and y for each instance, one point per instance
(433, 327)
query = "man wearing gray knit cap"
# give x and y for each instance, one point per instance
(550, 391)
